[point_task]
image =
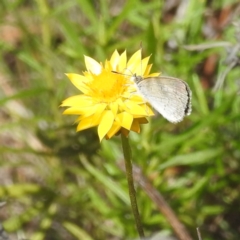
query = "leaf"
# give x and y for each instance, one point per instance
(76, 231)
(192, 158)
(109, 183)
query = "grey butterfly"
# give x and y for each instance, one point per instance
(170, 96)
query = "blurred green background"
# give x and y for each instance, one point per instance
(59, 184)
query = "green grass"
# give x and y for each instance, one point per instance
(59, 184)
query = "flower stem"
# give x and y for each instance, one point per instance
(132, 194)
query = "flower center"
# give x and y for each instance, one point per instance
(107, 86)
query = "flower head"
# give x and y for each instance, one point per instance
(110, 100)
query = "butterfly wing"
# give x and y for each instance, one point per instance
(170, 96)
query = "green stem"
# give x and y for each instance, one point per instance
(132, 194)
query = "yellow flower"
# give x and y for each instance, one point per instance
(109, 100)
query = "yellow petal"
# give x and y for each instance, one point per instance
(125, 120)
(89, 76)
(135, 58)
(78, 119)
(84, 124)
(147, 70)
(73, 111)
(77, 101)
(134, 108)
(125, 132)
(78, 81)
(92, 65)
(122, 64)
(114, 60)
(105, 124)
(96, 111)
(79, 110)
(143, 66)
(120, 103)
(87, 123)
(114, 129)
(149, 110)
(108, 66)
(126, 95)
(154, 75)
(114, 108)
(114, 55)
(137, 98)
(135, 126)
(140, 67)
(142, 120)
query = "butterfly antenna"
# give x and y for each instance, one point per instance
(130, 75)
